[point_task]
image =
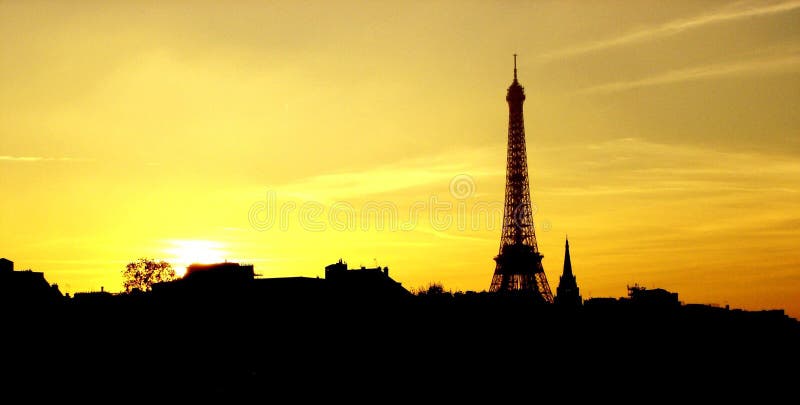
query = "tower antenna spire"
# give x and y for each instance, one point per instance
(515, 67)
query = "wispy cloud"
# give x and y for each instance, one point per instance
(675, 27)
(6, 158)
(435, 171)
(687, 170)
(703, 72)
(454, 236)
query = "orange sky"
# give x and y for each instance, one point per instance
(662, 137)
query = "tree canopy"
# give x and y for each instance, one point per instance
(143, 273)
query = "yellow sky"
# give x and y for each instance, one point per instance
(662, 137)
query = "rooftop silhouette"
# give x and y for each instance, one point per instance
(221, 332)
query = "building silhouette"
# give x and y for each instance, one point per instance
(6, 266)
(642, 298)
(208, 280)
(371, 282)
(656, 297)
(233, 281)
(227, 272)
(519, 263)
(25, 287)
(567, 293)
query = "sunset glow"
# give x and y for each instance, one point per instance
(186, 252)
(662, 137)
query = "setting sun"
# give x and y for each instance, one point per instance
(186, 252)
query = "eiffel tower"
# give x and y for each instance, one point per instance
(519, 263)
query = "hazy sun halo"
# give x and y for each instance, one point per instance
(186, 252)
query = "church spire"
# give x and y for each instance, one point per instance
(568, 293)
(567, 261)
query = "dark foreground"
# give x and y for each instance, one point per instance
(232, 349)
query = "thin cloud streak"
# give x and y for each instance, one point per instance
(6, 158)
(669, 168)
(432, 171)
(703, 72)
(673, 27)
